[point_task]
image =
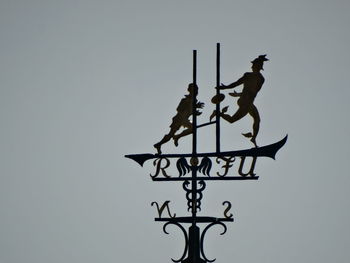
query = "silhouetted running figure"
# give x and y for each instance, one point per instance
(184, 111)
(252, 83)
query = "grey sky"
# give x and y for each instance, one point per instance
(82, 83)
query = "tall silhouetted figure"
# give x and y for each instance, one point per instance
(252, 83)
(184, 111)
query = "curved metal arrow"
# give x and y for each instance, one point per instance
(264, 151)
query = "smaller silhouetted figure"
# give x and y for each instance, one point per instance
(252, 83)
(184, 111)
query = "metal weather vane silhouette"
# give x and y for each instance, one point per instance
(194, 169)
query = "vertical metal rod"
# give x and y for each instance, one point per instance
(217, 93)
(194, 100)
(194, 142)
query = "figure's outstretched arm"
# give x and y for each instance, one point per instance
(234, 84)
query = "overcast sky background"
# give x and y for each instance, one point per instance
(82, 83)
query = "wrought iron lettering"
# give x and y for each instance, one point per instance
(228, 164)
(161, 209)
(228, 208)
(251, 170)
(161, 168)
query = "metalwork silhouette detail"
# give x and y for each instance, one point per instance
(161, 168)
(190, 194)
(203, 235)
(228, 208)
(251, 169)
(228, 164)
(195, 169)
(185, 235)
(252, 83)
(184, 111)
(160, 209)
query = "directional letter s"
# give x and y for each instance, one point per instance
(228, 208)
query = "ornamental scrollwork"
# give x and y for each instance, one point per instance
(203, 236)
(182, 166)
(185, 235)
(205, 166)
(191, 204)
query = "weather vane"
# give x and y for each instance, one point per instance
(195, 168)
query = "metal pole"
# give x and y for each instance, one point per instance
(194, 100)
(194, 139)
(194, 243)
(217, 93)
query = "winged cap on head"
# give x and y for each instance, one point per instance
(259, 61)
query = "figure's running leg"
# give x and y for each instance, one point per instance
(253, 111)
(240, 113)
(165, 139)
(188, 131)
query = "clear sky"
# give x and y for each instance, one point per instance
(82, 83)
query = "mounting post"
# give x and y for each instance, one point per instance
(217, 93)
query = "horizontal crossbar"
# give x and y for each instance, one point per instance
(198, 219)
(202, 178)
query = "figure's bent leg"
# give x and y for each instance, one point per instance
(158, 145)
(240, 113)
(253, 111)
(186, 132)
(182, 134)
(165, 139)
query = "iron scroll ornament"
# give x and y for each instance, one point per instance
(189, 194)
(185, 235)
(203, 235)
